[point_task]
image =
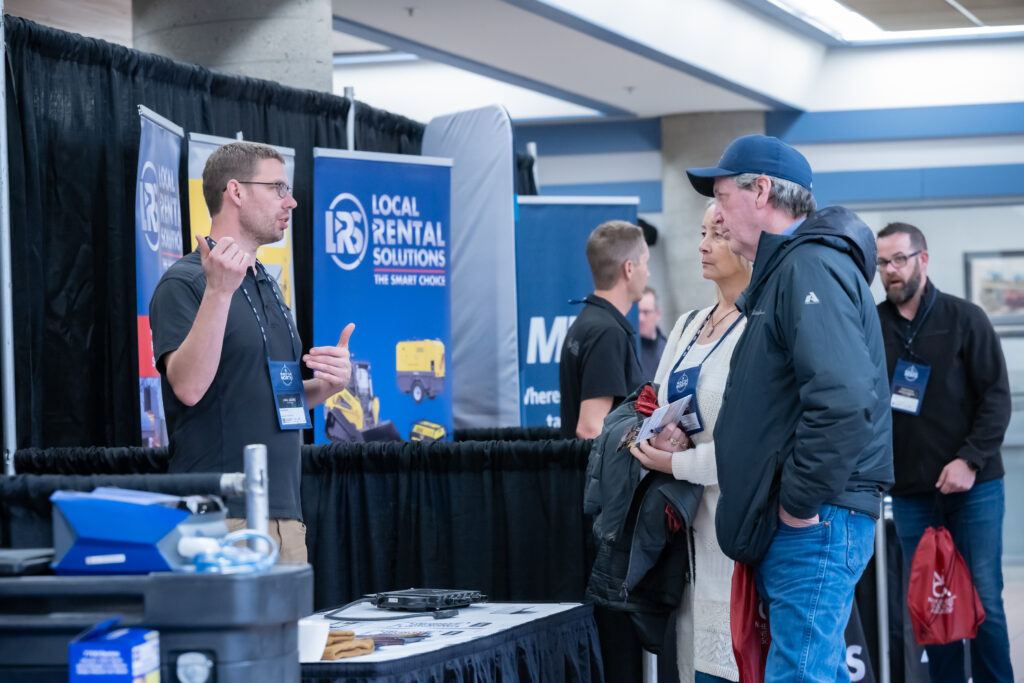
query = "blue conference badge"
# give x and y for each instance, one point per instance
(684, 383)
(289, 394)
(909, 381)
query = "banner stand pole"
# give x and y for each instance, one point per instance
(350, 119)
(6, 296)
(882, 596)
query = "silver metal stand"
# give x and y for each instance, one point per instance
(257, 507)
(6, 285)
(882, 596)
(350, 120)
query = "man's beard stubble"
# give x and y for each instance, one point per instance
(902, 294)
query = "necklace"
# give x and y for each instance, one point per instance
(715, 323)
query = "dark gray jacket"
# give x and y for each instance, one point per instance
(642, 528)
(805, 419)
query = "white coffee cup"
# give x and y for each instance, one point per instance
(313, 633)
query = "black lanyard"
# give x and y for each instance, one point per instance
(701, 329)
(920, 323)
(296, 348)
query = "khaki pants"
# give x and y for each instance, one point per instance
(290, 535)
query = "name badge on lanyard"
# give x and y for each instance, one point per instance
(289, 396)
(285, 375)
(909, 381)
(683, 381)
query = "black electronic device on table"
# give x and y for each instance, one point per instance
(426, 599)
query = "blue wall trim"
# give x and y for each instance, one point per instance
(604, 137)
(649, 192)
(425, 51)
(955, 182)
(889, 124)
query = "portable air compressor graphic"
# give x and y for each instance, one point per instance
(419, 368)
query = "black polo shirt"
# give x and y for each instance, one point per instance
(599, 358)
(238, 408)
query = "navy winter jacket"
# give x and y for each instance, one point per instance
(805, 418)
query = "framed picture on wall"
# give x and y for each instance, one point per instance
(994, 280)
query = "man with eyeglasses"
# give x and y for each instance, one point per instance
(227, 348)
(950, 403)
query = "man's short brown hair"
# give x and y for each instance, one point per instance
(235, 160)
(610, 245)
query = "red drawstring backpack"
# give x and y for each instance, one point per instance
(944, 605)
(748, 621)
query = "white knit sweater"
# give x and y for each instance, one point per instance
(702, 630)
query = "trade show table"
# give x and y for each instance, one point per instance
(484, 642)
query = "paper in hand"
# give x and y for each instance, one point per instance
(663, 417)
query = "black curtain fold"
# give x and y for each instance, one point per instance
(525, 182)
(507, 434)
(504, 518)
(73, 130)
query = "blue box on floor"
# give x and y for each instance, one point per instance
(108, 654)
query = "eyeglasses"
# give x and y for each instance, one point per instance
(899, 260)
(283, 189)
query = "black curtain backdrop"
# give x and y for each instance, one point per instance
(73, 129)
(74, 137)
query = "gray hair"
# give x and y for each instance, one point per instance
(785, 195)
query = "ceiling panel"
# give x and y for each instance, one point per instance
(909, 15)
(997, 12)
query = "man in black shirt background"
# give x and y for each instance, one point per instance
(599, 365)
(951, 407)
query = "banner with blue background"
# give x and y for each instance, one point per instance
(157, 246)
(551, 269)
(381, 260)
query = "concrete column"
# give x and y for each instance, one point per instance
(288, 41)
(689, 140)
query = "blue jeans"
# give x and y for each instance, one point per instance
(975, 521)
(807, 578)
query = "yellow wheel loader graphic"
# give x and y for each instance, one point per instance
(354, 409)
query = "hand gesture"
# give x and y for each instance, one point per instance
(224, 265)
(331, 364)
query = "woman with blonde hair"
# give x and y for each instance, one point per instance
(696, 363)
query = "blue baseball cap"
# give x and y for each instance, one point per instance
(754, 154)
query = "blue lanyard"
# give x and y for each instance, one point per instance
(701, 329)
(296, 348)
(920, 323)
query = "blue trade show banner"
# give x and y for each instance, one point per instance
(381, 260)
(551, 269)
(157, 246)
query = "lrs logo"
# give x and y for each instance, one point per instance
(346, 231)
